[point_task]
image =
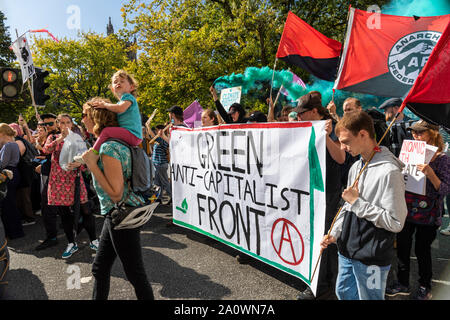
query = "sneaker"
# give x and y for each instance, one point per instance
(71, 248)
(423, 293)
(28, 222)
(446, 231)
(47, 244)
(79, 159)
(306, 294)
(94, 245)
(38, 213)
(397, 289)
(243, 258)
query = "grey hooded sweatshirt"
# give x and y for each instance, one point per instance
(365, 230)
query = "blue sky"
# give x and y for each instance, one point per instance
(60, 16)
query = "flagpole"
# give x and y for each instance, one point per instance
(273, 76)
(278, 95)
(357, 179)
(279, 91)
(17, 34)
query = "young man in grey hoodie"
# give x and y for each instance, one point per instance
(374, 211)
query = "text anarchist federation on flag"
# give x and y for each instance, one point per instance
(258, 188)
(386, 61)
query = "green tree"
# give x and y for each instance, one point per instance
(79, 69)
(6, 55)
(185, 45)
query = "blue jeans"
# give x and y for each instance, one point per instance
(162, 178)
(357, 281)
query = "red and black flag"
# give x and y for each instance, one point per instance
(429, 98)
(304, 46)
(385, 58)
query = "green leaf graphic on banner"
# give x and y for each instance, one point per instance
(184, 206)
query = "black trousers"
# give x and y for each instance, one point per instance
(425, 236)
(68, 221)
(329, 262)
(126, 244)
(9, 213)
(49, 214)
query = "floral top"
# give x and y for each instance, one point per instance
(120, 152)
(61, 183)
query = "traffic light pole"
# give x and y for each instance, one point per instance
(32, 101)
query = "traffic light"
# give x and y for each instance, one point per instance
(10, 83)
(39, 86)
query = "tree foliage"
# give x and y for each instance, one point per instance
(79, 69)
(185, 45)
(6, 55)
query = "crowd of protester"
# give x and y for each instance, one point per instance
(385, 215)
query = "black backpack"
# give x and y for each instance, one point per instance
(140, 180)
(30, 151)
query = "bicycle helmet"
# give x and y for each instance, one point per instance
(137, 217)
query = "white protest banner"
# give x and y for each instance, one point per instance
(259, 188)
(23, 54)
(413, 153)
(229, 96)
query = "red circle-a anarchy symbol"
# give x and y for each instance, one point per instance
(287, 225)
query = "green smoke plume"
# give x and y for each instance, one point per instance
(421, 8)
(253, 77)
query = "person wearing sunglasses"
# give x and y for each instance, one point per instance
(49, 216)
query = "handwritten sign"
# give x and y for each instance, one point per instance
(413, 153)
(229, 96)
(259, 188)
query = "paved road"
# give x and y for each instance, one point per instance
(180, 265)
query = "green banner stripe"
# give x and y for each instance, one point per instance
(315, 183)
(315, 171)
(270, 262)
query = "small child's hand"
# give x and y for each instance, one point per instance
(99, 104)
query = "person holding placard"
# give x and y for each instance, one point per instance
(236, 113)
(424, 214)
